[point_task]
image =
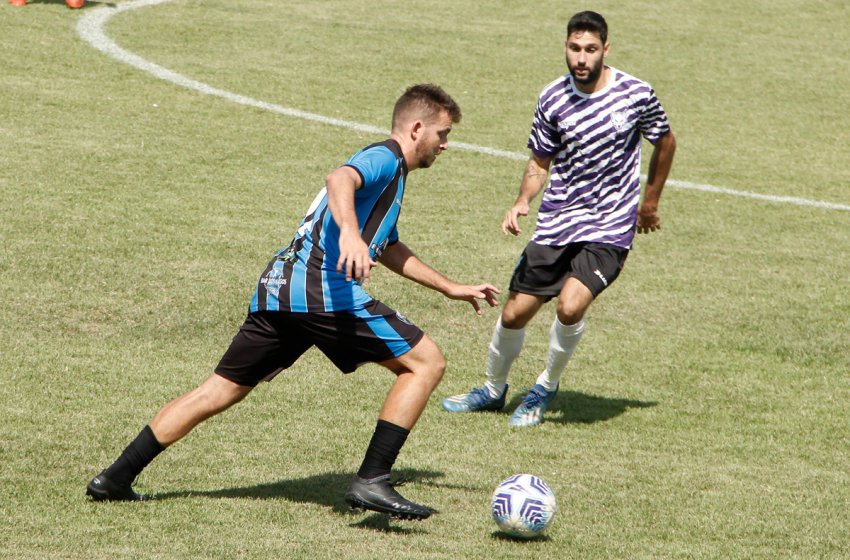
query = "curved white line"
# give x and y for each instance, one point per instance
(90, 29)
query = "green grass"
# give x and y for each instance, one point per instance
(703, 416)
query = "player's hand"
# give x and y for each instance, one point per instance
(648, 218)
(511, 222)
(472, 294)
(354, 257)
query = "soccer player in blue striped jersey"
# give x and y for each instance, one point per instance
(586, 140)
(311, 294)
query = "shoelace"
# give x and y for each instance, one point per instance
(532, 398)
(480, 395)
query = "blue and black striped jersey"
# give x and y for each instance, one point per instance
(302, 277)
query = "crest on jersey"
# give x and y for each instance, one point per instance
(272, 281)
(620, 120)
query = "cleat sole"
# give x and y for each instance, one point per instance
(360, 507)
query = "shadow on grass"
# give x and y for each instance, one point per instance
(383, 524)
(88, 4)
(499, 535)
(323, 489)
(572, 407)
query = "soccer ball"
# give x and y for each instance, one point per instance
(523, 505)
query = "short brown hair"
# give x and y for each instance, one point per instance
(426, 100)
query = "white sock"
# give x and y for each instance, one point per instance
(563, 340)
(504, 348)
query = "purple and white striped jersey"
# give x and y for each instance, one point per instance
(595, 142)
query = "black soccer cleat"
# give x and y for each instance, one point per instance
(378, 494)
(101, 489)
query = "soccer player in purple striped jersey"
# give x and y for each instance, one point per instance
(586, 141)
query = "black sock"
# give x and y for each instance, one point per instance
(134, 458)
(383, 450)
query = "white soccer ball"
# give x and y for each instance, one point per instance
(523, 505)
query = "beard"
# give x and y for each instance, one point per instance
(427, 158)
(593, 73)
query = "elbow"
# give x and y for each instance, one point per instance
(340, 178)
(331, 180)
(670, 142)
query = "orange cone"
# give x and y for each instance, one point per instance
(75, 4)
(18, 2)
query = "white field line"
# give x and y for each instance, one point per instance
(90, 28)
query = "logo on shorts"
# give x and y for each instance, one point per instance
(378, 250)
(402, 318)
(601, 276)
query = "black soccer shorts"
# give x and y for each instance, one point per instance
(542, 270)
(270, 341)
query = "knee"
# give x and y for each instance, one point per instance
(437, 367)
(569, 314)
(433, 363)
(441, 366)
(512, 320)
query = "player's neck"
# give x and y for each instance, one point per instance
(408, 150)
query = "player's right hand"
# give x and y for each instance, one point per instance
(511, 222)
(354, 257)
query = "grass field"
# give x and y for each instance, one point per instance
(705, 414)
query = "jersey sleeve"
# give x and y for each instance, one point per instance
(376, 166)
(652, 121)
(545, 138)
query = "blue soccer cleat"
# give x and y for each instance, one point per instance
(476, 400)
(531, 409)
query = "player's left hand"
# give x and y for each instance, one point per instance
(648, 218)
(472, 294)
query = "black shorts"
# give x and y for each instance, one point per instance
(542, 270)
(270, 341)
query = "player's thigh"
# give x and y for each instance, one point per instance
(593, 268)
(267, 343)
(372, 333)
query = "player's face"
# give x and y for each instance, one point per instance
(433, 139)
(585, 57)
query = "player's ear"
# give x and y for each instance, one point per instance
(416, 129)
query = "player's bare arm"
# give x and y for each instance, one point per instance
(659, 168)
(400, 259)
(353, 252)
(533, 180)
